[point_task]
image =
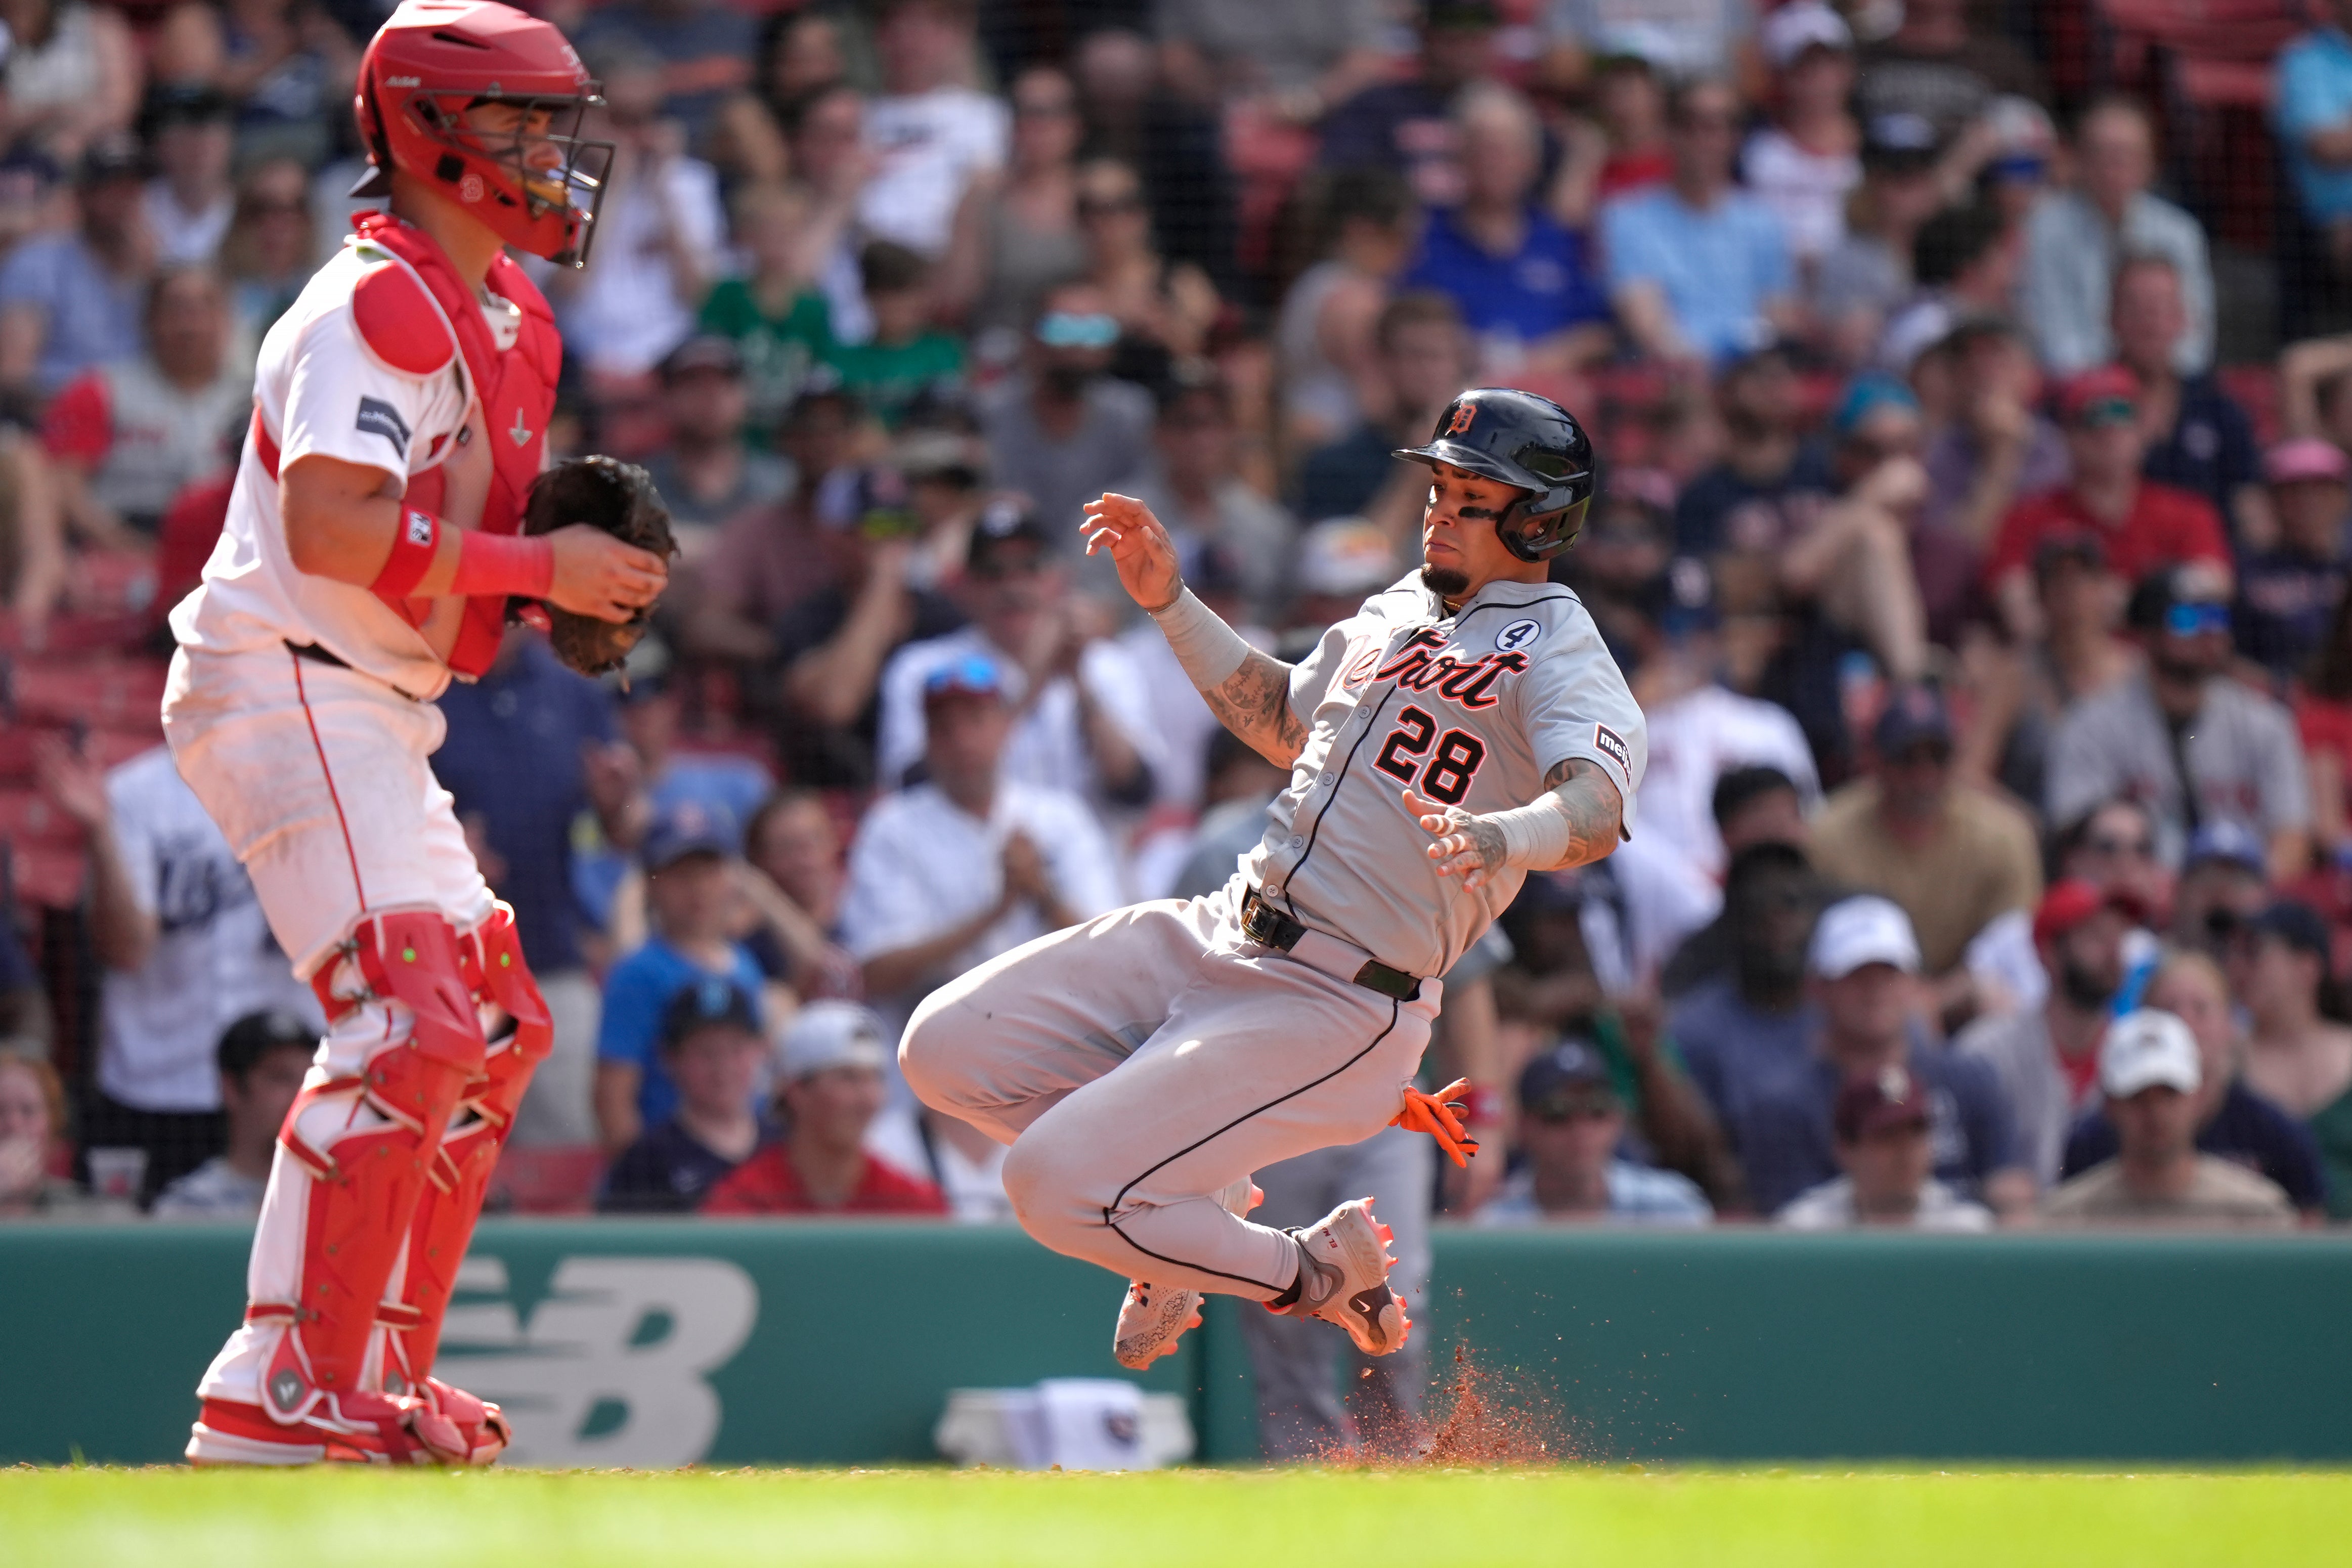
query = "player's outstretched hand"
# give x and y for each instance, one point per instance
(599, 576)
(1140, 547)
(1463, 845)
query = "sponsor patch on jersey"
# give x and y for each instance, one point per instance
(420, 528)
(378, 417)
(1516, 636)
(1612, 745)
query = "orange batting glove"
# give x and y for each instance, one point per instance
(1443, 1116)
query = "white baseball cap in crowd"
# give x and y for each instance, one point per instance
(831, 1035)
(1345, 557)
(2147, 1047)
(1792, 29)
(1867, 930)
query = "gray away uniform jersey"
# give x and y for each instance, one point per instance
(1471, 710)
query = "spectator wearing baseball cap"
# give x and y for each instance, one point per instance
(2298, 1051)
(2288, 593)
(1864, 992)
(1879, 1127)
(1406, 127)
(2149, 1073)
(263, 1058)
(711, 1052)
(705, 471)
(2144, 526)
(692, 856)
(971, 861)
(2233, 1122)
(1805, 164)
(830, 1086)
(1862, 279)
(1954, 857)
(1572, 1122)
(2046, 1057)
(2182, 737)
(73, 299)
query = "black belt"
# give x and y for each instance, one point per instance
(1269, 926)
(313, 651)
(317, 655)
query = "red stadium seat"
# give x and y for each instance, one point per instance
(116, 693)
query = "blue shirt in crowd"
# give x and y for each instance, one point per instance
(1546, 287)
(1717, 267)
(90, 316)
(2313, 84)
(1773, 1103)
(512, 758)
(636, 994)
(2245, 1128)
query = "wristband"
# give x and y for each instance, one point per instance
(415, 540)
(1209, 649)
(490, 564)
(1535, 837)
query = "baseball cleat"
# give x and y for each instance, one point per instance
(1152, 1320)
(357, 1429)
(1343, 1278)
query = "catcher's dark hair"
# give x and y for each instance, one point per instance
(1736, 787)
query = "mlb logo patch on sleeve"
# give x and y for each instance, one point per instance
(378, 417)
(1612, 745)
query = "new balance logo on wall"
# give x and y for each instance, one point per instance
(612, 1367)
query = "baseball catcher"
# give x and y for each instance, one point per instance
(389, 511)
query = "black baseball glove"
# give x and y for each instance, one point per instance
(620, 498)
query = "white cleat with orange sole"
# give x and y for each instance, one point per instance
(1343, 1278)
(1150, 1320)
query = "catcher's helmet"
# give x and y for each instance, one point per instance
(434, 59)
(1518, 438)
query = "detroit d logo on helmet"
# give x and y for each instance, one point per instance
(1464, 413)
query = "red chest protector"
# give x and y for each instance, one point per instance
(516, 389)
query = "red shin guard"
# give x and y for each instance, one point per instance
(366, 1183)
(445, 1217)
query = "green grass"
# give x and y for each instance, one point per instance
(1198, 1519)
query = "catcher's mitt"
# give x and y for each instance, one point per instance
(620, 498)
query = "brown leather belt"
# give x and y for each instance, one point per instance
(1269, 926)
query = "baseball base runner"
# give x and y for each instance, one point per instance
(374, 543)
(1466, 726)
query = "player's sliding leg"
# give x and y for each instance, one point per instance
(1152, 1318)
(500, 983)
(300, 1380)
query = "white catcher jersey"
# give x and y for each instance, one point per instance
(1473, 709)
(320, 388)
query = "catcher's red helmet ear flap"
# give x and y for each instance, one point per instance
(434, 60)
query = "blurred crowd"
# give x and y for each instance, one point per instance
(1972, 530)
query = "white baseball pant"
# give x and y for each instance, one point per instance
(319, 778)
(1140, 1062)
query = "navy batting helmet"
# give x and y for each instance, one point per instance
(1518, 438)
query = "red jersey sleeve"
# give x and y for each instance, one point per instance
(79, 425)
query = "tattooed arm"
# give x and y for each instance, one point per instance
(1253, 702)
(1249, 691)
(1577, 822)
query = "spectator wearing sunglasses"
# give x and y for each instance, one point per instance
(2142, 526)
(1063, 431)
(1572, 1122)
(2196, 747)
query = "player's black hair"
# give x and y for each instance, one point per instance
(1735, 787)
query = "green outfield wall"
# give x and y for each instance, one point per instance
(650, 1344)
